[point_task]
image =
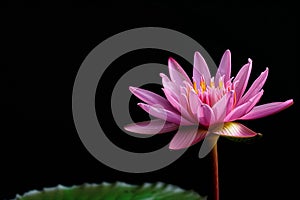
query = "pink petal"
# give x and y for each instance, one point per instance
(186, 137)
(185, 106)
(151, 127)
(172, 99)
(224, 68)
(234, 129)
(175, 96)
(170, 85)
(200, 68)
(255, 87)
(230, 103)
(150, 97)
(267, 109)
(220, 108)
(171, 90)
(244, 108)
(195, 103)
(242, 77)
(165, 114)
(205, 115)
(177, 74)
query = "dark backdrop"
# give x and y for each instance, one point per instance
(45, 43)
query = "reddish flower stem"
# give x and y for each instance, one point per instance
(215, 172)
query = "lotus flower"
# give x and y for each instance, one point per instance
(211, 104)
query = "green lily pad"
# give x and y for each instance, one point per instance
(116, 191)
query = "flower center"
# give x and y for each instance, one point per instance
(214, 91)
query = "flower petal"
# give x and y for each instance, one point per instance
(205, 115)
(150, 97)
(177, 97)
(173, 88)
(267, 109)
(184, 106)
(195, 103)
(172, 91)
(151, 127)
(242, 77)
(224, 68)
(234, 129)
(220, 108)
(255, 87)
(177, 74)
(241, 110)
(200, 68)
(165, 114)
(186, 137)
(172, 99)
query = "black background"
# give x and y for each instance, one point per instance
(44, 44)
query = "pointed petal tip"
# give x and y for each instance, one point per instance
(290, 102)
(172, 63)
(250, 61)
(171, 60)
(162, 75)
(197, 53)
(266, 72)
(267, 109)
(172, 147)
(227, 53)
(126, 127)
(141, 104)
(132, 89)
(175, 146)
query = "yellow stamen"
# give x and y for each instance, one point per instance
(212, 84)
(203, 85)
(234, 98)
(220, 84)
(195, 87)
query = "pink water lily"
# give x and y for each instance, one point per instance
(213, 104)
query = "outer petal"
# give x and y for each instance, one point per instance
(244, 108)
(267, 109)
(165, 114)
(172, 99)
(255, 87)
(234, 129)
(242, 77)
(177, 74)
(172, 92)
(200, 68)
(187, 136)
(173, 88)
(151, 127)
(224, 68)
(150, 97)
